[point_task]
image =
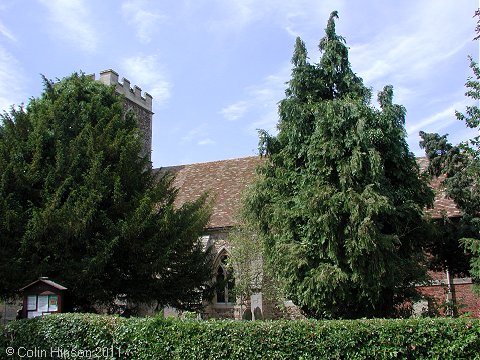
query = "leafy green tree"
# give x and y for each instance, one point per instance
(339, 203)
(251, 276)
(78, 204)
(460, 164)
(246, 262)
(460, 167)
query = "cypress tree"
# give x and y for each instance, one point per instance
(339, 203)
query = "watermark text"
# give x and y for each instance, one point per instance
(100, 352)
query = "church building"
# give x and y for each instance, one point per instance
(226, 180)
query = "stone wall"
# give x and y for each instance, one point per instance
(257, 307)
(140, 105)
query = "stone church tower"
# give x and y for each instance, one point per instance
(140, 105)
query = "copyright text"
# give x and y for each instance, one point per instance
(23, 352)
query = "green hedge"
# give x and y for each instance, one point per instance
(107, 337)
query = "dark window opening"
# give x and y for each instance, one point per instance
(225, 283)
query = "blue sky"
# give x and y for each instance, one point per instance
(217, 68)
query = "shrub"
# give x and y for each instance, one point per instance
(111, 337)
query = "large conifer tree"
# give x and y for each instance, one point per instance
(339, 202)
(78, 204)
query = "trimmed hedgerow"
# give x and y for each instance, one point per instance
(109, 337)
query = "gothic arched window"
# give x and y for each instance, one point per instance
(224, 282)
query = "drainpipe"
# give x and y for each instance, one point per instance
(450, 294)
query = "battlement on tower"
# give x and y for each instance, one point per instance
(110, 77)
(133, 101)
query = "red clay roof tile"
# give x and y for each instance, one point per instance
(227, 179)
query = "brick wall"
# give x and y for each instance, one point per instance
(462, 295)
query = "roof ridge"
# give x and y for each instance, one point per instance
(208, 162)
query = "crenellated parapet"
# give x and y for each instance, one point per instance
(110, 77)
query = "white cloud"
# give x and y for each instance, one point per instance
(195, 133)
(234, 15)
(272, 87)
(72, 23)
(11, 75)
(261, 102)
(400, 59)
(234, 111)
(295, 17)
(410, 48)
(306, 16)
(440, 120)
(6, 33)
(207, 141)
(415, 54)
(266, 121)
(145, 22)
(147, 71)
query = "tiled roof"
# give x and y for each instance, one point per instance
(226, 180)
(442, 204)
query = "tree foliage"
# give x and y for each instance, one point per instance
(339, 202)
(477, 28)
(251, 275)
(246, 262)
(460, 164)
(78, 204)
(444, 249)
